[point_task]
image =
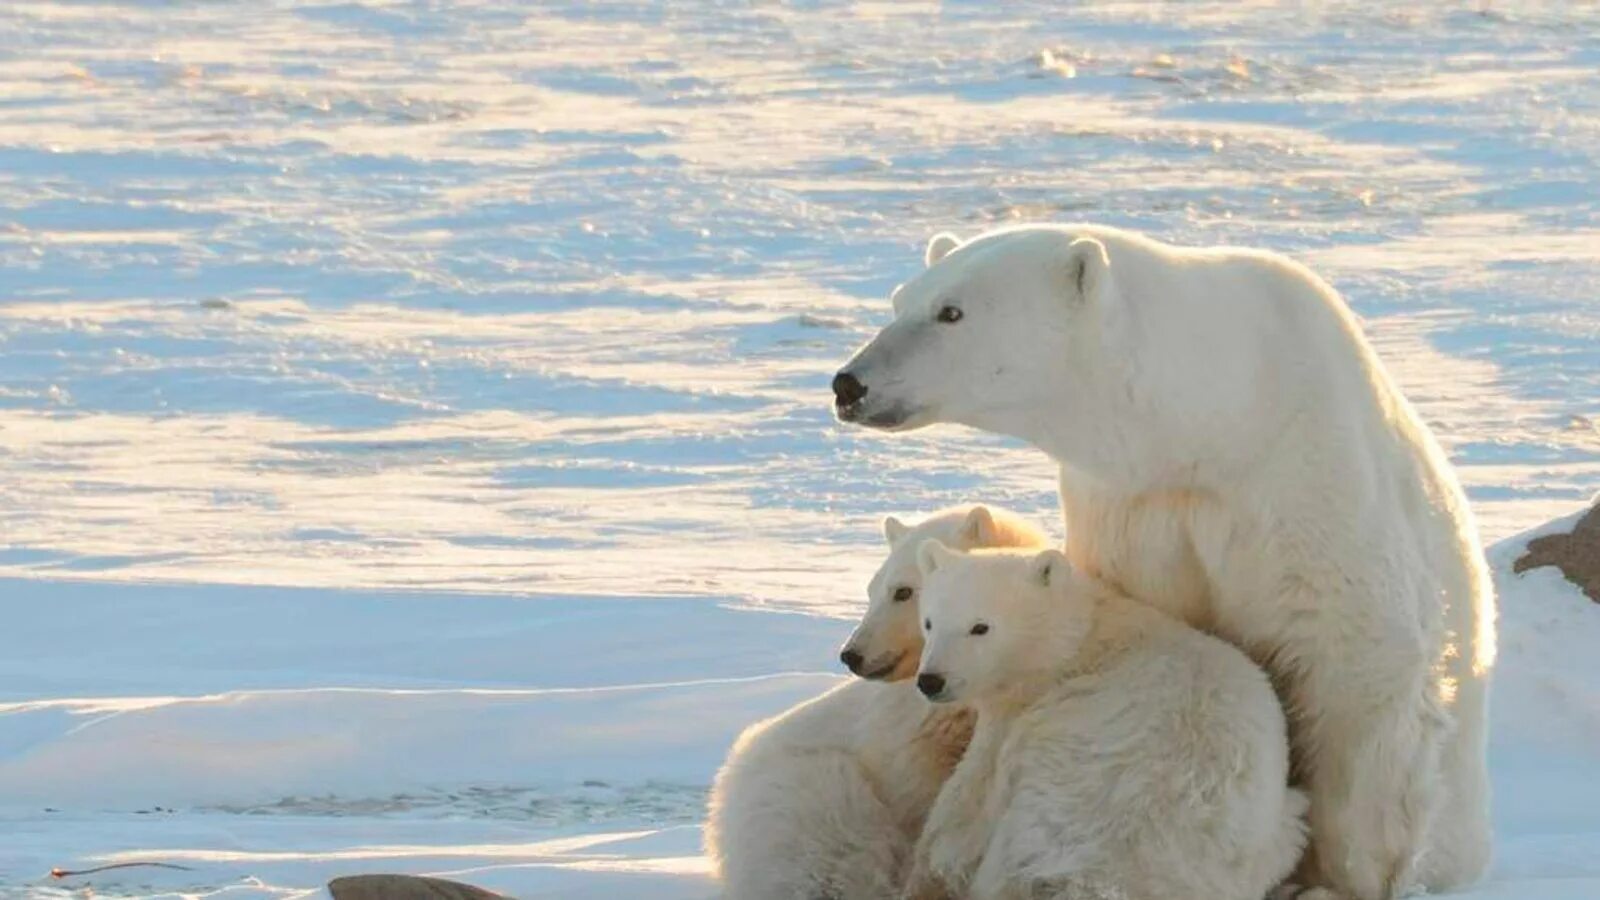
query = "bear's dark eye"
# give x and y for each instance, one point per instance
(949, 315)
(979, 628)
(927, 624)
(902, 594)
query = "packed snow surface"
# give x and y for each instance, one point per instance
(414, 442)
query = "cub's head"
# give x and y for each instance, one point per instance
(991, 332)
(991, 618)
(888, 641)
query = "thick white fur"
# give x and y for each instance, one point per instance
(1119, 754)
(889, 637)
(825, 801)
(1232, 450)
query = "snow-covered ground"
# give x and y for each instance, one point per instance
(414, 442)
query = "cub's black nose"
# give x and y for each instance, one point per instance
(847, 391)
(929, 684)
(851, 660)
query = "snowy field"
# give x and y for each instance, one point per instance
(415, 451)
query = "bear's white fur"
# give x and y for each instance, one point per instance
(827, 799)
(1119, 754)
(1232, 450)
(889, 637)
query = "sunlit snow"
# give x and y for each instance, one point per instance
(414, 441)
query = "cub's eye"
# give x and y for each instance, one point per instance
(949, 315)
(979, 628)
(902, 594)
(927, 624)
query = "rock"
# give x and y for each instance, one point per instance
(405, 887)
(1577, 554)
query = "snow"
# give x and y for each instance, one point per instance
(414, 447)
(308, 733)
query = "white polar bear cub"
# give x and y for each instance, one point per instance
(1232, 451)
(825, 801)
(1119, 754)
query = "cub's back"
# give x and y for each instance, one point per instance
(1180, 730)
(903, 745)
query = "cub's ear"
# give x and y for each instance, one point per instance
(978, 530)
(1087, 265)
(894, 530)
(939, 246)
(1049, 567)
(932, 554)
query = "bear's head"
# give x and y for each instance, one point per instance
(993, 619)
(993, 331)
(888, 641)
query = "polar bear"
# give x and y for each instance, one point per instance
(1119, 754)
(1231, 449)
(888, 640)
(826, 799)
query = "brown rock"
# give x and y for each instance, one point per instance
(1577, 555)
(405, 887)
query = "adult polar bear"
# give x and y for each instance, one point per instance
(1232, 450)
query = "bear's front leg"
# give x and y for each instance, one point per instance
(959, 826)
(1370, 732)
(944, 854)
(923, 884)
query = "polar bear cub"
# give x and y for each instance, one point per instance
(826, 800)
(1118, 755)
(888, 641)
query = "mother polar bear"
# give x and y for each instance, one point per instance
(1232, 450)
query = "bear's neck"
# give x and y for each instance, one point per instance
(1117, 448)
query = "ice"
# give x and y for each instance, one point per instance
(414, 441)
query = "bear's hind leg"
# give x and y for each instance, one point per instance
(1459, 842)
(1372, 753)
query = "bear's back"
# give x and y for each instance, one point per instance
(1178, 731)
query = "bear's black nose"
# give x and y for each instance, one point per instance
(847, 391)
(929, 684)
(851, 660)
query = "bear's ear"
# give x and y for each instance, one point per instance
(939, 246)
(1049, 567)
(1087, 265)
(932, 554)
(894, 530)
(978, 529)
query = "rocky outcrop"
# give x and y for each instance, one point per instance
(405, 887)
(1576, 554)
